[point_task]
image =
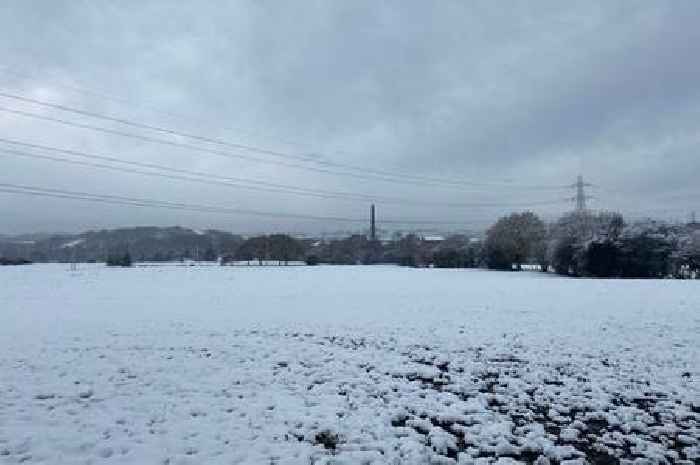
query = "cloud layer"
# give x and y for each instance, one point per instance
(518, 99)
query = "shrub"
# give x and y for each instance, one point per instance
(602, 259)
(123, 260)
(644, 256)
(13, 261)
(453, 258)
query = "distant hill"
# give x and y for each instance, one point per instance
(143, 244)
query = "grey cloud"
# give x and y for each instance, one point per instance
(529, 93)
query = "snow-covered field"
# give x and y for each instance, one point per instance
(297, 365)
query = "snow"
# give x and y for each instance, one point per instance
(260, 262)
(73, 243)
(343, 365)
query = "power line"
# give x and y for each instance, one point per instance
(162, 175)
(314, 156)
(207, 178)
(284, 155)
(141, 202)
(152, 107)
(201, 149)
(149, 127)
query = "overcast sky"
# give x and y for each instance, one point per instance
(501, 102)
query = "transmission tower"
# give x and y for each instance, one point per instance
(581, 196)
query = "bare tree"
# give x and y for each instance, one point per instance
(515, 239)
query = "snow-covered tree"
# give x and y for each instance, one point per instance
(572, 234)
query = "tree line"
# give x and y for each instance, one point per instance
(580, 244)
(594, 244)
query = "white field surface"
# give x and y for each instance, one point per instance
(386, 365)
